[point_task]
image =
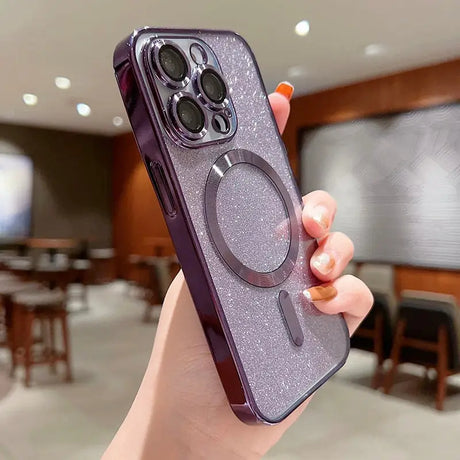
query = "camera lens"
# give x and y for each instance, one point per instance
(190, 115)
(172, 62)
(213, 86)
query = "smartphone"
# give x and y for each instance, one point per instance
(207, 135)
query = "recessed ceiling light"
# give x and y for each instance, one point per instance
(29, 99)
(374, 49)
(62, 82)
(302, 28)
(83, 109)
(117, 121)
(296, 71)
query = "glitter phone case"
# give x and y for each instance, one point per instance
(234, 213)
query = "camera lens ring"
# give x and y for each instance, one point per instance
(177, 53)
(204, 97)
(183, 125)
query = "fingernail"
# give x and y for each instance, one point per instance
(318, 293)
(321, 216)
(286, 89)
(323, 262)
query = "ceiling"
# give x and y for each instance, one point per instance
(43, 39)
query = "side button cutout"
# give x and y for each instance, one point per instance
(290, 318)
(161, 187)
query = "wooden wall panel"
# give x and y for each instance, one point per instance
(137, 215)
(409, 90)
(421, 279)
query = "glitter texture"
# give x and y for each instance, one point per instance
(278, 372)
(247, 199)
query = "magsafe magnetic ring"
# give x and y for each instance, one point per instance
(260, 248)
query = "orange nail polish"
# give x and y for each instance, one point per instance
(318, 293)
(286, 89)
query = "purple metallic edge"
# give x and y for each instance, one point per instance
(186, 243)
(187, 246)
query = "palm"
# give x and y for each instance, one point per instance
(183, 356)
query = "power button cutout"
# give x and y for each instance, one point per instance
(161, 187)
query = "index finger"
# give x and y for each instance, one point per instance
(279, 101)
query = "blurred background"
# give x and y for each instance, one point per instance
(85, 256)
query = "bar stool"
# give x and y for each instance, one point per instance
(48, 307)
(7, 290)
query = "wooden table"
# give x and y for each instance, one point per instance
(52, 245)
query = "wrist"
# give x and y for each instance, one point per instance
(177, 433)
(156, 427)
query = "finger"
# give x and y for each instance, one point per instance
(279, 101)
(352, 298)
(318, 213)
(332, 256)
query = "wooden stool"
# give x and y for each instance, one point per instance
(7, 290)
(47, 307)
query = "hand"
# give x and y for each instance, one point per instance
(181, 410)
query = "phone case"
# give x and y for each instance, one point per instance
(234, 213)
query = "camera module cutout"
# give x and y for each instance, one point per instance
(189, 83)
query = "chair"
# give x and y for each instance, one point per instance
(375, 334)
(7, 277)
(379, 278)
(427, 333)
(60, 271)
(376, 331)
(138, 277)
(80, 269)
(48, 307)
(103, 265)
(350, 269)
(55, 272)
(5, 257)
(21, 267)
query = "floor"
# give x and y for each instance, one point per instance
(111, 346)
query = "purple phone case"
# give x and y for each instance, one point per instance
(272, 348)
